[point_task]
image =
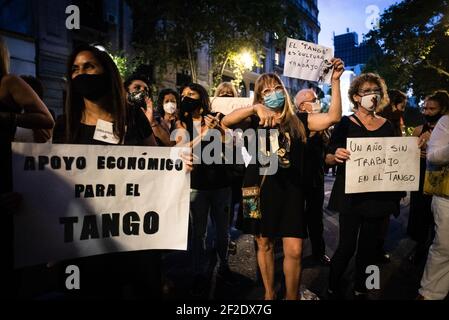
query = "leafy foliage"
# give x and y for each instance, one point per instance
(171, 32)
(414, 37)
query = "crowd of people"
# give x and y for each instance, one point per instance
(289, 202)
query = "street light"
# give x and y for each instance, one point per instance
(246, 60)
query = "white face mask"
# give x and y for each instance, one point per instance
(316, 107)
(170, 107)
(370, 101)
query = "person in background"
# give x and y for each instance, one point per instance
(394, 111)
(210, 188)
(168, 102)
(420, 223)
(139, 98)
(435, 280)
(307, 101)
(19, 106)
(227, 90)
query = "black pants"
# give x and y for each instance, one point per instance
(355, 232)
(314, 218)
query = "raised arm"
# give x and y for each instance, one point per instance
(322, 121)
(36, 115)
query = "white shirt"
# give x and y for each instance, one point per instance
(438, 145)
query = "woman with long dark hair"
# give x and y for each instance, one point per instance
(95, 92)
(168, 103)
(210, 186)
(96, 96)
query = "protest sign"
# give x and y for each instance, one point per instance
(308, 61)
(382, 164)
(81, 200)
(227, 105)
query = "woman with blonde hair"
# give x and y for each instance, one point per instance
(226, 89)
(281, 192)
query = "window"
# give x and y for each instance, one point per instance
(16, 16)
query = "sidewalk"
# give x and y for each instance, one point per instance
(399, 279)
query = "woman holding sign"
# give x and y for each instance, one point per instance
(280, 193)
(96, 103)
(362, 215)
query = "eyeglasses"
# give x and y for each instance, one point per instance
(267, 91)
(313, 101)
(369, 91)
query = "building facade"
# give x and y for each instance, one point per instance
(354, 55)
(40, 43)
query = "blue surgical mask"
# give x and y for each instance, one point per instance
(274, 100)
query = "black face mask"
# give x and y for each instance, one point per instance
(138, 99)
(226, 95)
(91, 86)
(433, 119)
(189, 105)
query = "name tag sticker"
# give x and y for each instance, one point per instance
(104, 132)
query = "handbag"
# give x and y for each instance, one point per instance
(251, 201)
(436, 181)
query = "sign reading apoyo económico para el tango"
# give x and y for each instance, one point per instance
(308, 61)
(84, 200)
(382, 164)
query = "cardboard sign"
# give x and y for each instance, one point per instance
(308, 61)
(226, 105)
(81, 200)
(382, 164)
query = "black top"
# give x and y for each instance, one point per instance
(314, 160)
(208, 176)
(368, 203)
(138, 130)
(281, 195)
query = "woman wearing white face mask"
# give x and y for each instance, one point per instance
(167, 107)
(362, 215)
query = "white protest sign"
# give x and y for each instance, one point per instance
(382, 164)
(226, 105)
(81, 200)
(308, 61)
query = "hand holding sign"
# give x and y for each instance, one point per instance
(341, 155)
(309, 61)
(339, 68)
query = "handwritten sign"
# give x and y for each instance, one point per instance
(382, 164)
(226, 105)
(82, 200)
(308, 61)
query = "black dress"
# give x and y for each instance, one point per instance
(282, 196)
